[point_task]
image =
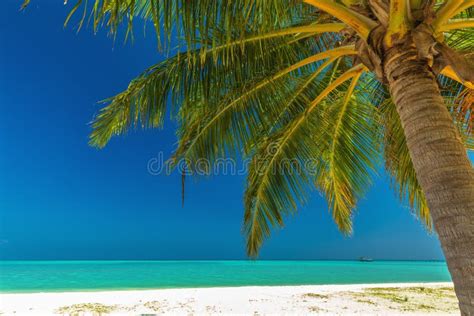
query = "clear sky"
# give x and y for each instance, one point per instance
(61, 199)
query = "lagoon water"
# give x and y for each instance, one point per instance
(58, 276)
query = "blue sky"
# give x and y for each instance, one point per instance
(61, 199)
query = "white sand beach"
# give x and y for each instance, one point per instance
(360, 299)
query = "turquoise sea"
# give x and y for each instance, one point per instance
(51, 276)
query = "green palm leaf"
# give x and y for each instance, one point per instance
(242, 110)
(311, 151)
(203, 73)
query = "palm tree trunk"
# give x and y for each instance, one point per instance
(441, 163)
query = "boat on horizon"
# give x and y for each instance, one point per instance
(366, 259)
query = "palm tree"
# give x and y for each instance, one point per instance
(341, 84)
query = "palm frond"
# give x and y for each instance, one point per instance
(243, 109)
(305, 153)
(193, 20)
(460, 40)
(339, 182)
(208, 73)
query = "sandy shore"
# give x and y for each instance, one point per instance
(381, 299)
